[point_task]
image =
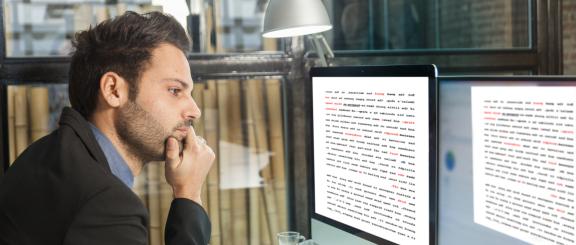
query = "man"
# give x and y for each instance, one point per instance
(130, 89)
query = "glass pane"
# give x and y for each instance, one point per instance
(44, 28)
(569, 34)
(245, 191)
(428, 24)
(239, 26)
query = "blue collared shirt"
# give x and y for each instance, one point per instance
(117, 164)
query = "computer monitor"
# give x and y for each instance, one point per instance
(373, 155)
(507, 160)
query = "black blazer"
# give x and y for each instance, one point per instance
(61, 191)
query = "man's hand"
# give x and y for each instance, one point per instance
(186, 172)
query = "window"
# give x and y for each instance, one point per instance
(569, 36)
(245, 192)
(45, 27)
(425, 24)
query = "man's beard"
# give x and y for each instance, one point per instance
(142, 135)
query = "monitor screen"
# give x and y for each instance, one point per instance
(374, 144)
(507, 160)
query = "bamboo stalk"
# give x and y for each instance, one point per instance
(39, 107)
(224, 105)
(271, 212)
(212, 181)
(239, 212)
(258, 109)
(199, 129)
(218, 27)
(254, 216)
(239, 217)
(9, 14)
(166, 197)
(21, 119)
(276, 147)
(209, 27)
(253, 161)
(270, 197)
(11, 128)
(154, 205)
(257, 123)
(224, 159)
(276, 139)
(267, 235)
(140, 187)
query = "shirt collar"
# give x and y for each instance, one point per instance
(117, 164)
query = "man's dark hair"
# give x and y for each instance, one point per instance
(122, 45)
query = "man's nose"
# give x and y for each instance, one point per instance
(192, 110)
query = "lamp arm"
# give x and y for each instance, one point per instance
(327, 49)
(322, 48)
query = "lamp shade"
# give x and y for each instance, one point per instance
(287, 18)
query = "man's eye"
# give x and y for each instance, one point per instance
(174, 91)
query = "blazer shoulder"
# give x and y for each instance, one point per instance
(112, 216)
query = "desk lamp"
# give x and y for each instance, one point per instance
(289, 18)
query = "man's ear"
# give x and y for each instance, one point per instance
(114, 89)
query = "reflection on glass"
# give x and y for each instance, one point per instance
(45, 28)
(569, 36)
(244, 193)
(428, 24)
(239, 25)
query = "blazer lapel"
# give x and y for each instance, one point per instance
(76, 121)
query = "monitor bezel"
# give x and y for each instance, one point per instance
(429, 71)
(507, 78)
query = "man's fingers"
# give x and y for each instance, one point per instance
(172, 152)
(191, 138)
(192, 132)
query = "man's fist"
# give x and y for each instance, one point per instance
(186, 171)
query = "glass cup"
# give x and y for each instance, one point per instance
(309, 242)
(290, 238)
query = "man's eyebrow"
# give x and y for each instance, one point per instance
(184, 84)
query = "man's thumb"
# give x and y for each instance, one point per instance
(172, 152)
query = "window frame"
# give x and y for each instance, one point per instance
(292, 64)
